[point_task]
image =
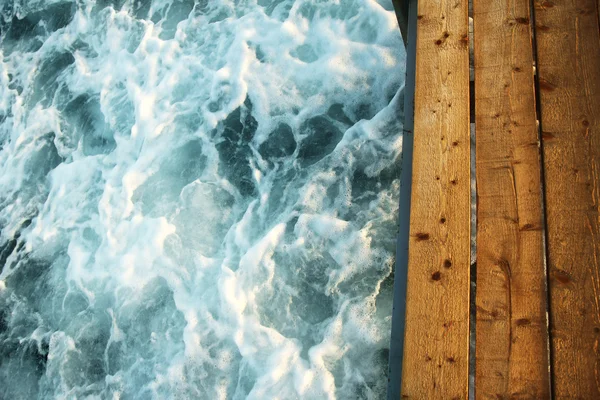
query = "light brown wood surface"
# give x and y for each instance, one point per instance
(512, 358)
(568, 45)
(436, 350)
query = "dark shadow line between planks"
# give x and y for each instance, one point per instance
(540, 130)
(473, 255)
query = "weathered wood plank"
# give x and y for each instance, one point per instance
(436, 355)
(568, 43)
(512, 359)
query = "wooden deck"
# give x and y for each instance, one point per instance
(536, 102)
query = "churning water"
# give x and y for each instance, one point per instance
(197, 199)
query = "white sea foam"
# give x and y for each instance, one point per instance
(197, 199)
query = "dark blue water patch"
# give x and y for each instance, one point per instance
(26, 33)
(363, 111)
(85, 120)
(308, 10)
(178, 11)
(6, 249)
(279, 144)
(32, 191)
(141, 9)
(28, 276)
(305, 53)
(285, 185)
(22, 360)
(46, 81)
(43, 160)
(336, 112)
(258, 51)
(313, 306)
(57, 16)
(237, 131)
(12, 244)
(117, 5)
(21, 30)
(15, 84)
(281, 8)
(22, 364)
(289, 228)
(83, 48)
(365, 188)
(321, 136)
(4, 318)
(363, 184)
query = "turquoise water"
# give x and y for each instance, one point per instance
(198, 200)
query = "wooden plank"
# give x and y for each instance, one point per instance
(568, 43)
(436, 351)
(512, 359)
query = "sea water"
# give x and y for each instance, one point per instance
(198, 200)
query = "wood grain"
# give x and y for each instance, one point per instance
(436, 356)
(512, 359)
(568, 43)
